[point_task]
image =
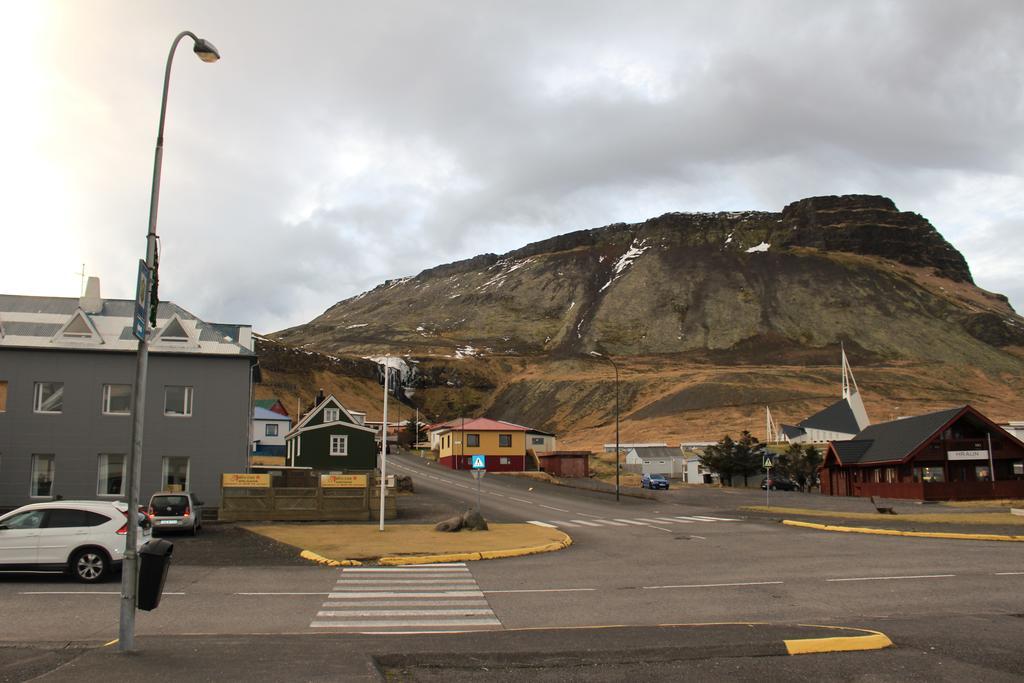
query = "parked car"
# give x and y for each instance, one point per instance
(779, 484)
(176, 512)
(82, 537)
(654, 481)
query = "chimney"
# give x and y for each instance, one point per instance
(91, 302)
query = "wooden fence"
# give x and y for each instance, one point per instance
(305, 504)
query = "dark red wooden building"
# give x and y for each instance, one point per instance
(944, 455)
(565, 463)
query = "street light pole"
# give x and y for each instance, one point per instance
(133, 470)
(616, 368)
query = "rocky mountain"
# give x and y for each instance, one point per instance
(708, 315)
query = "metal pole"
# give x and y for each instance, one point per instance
(384, 442)
(617, 449)
(133, 468)
(478, 478)
(991, 461)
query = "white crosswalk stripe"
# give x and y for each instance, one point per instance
(437, 597)
(639, 521)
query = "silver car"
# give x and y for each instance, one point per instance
(173, 511)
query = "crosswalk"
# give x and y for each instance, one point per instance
(435, 597)
(639, 521)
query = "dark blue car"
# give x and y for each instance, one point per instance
(654, 481)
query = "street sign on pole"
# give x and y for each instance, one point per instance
(141, 292)
(479, 462)
(768, 464)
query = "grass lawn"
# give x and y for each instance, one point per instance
(990, 518)
(366, 541)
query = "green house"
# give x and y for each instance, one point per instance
(330, 439)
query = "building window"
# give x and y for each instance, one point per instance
(332, 414)
(174, 473)
(339, 444)
(49, 397)
(3, 396)
(42, 476)
(271, 430)
(505, 440)
(537, 440)
(929, 474)
(982, 473)
(110, 475)
(473, 440)
(117, 399)
(504, 461)
(178, 401)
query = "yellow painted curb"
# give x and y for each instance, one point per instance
(897, 532)
(482, 555)
(806, 646)
(326, 561)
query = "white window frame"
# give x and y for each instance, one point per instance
(335, 439)
(536, 440)
(101, 489)
(164, 470)
(332, 415)
(34, 471)
(189, 397)
(105, 408)
(37, 399)
(267, 429)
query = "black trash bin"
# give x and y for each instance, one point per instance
(154, 559)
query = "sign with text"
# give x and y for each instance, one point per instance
(342, 481)
(967, 455)
(249, 480)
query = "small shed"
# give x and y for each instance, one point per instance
(565, 463)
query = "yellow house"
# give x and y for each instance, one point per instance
(502, 444)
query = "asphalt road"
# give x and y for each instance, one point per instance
(953, 608)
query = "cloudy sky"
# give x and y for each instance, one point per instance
(337, 144)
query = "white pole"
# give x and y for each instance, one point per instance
(991, 462)
(384, 443)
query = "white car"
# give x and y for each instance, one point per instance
(83, 537)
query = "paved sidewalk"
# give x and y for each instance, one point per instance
(377, 658)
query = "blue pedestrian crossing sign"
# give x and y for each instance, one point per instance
(768, 463)
(479, 462)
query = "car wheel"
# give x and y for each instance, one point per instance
(195, 528)
(90, 565)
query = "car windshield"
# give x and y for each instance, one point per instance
(169, 505)
(659, 477)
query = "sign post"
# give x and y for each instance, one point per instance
(768, 464)
(479, 470)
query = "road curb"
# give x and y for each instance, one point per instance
(897, 532)
(394, 560)
(326, 561)
(872, 640)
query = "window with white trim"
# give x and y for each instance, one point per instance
(117, 399)
(174, 473)
(178, 401)
(332, 414)
(339, 444)
(49, 397)
(537, 440)
(271, 430)
(43, 466)
(110, 475)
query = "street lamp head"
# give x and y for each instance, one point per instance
(205, 50)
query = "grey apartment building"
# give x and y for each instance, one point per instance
(66, 372)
